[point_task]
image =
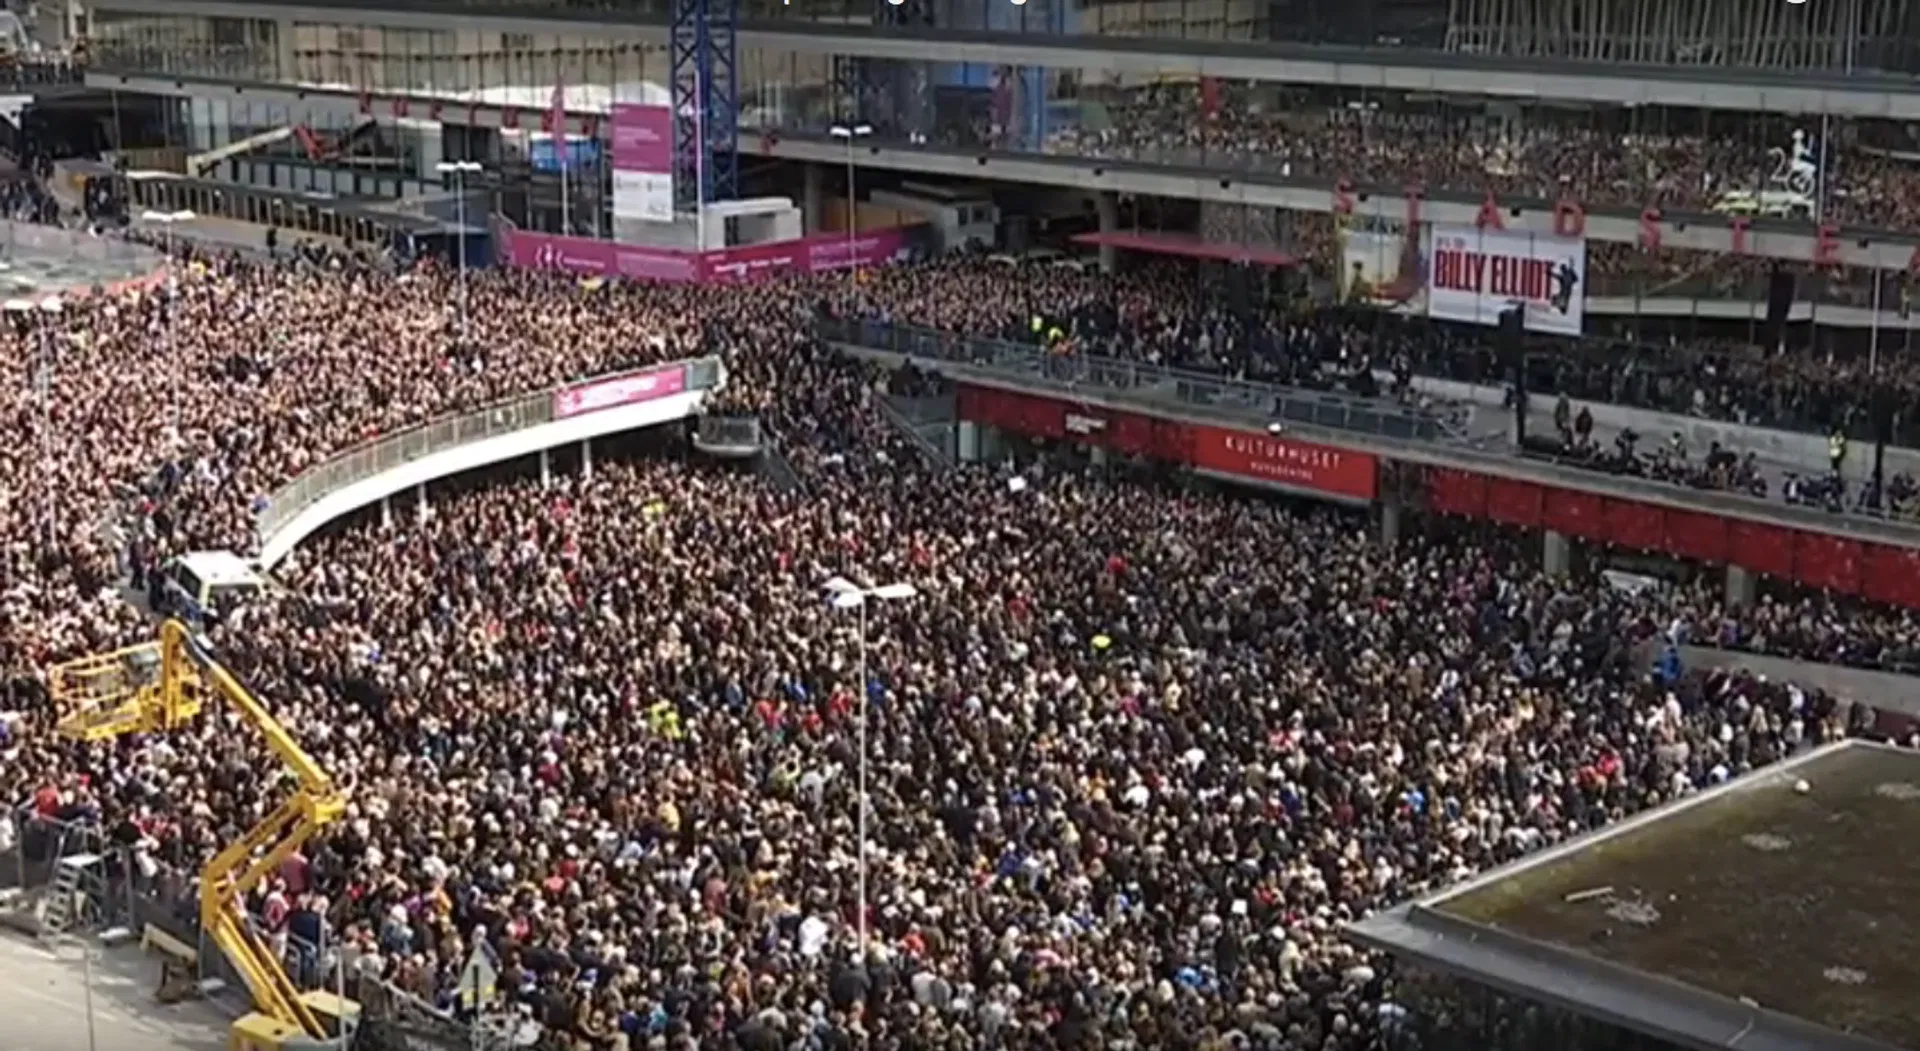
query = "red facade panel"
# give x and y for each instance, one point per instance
(1890, 574)
(1304, 465)
(1760, 548)
(1694, 535)
(1829, 562)
(1632, 524)
(1513, 502)
(1574, 513)
(1451, 491)
(1124, 433)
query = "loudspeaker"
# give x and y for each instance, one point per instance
(1780, 290)
(1513, 326)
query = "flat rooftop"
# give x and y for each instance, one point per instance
(1754, 912)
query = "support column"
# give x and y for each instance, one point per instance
(1558, 554)
(386, 513)
(1107, 207)
(546, 469)
(421, 510)
(813, 200)
(967, 441)
(1389, 522)
(586, 459)
(1098, 454)
(1741, 587)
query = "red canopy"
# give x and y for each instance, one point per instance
(1190, 246)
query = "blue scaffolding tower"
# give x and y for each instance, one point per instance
(706, 101)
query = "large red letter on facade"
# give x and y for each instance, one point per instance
(1569, 219)
(1343, 197)
(1739, 224)
(1826, 245)
(1489, 216)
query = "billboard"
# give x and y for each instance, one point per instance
(1287, 461)
(631, 389)
(642, 162)
(590, 257)
(1473, 275)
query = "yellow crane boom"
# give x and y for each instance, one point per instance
(156, 688)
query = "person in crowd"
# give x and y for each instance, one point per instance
(1134, 754)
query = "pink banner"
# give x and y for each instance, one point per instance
(807, 255)
(642, 138)
(618, 391)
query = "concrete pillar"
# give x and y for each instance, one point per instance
(813, 200)
(1558, 554)
(1098, 454)
(1389, 522)
(586, 459)
(1107, 207)
(283, 53)
(546, 469)
(386, 513)
(421, 510)
(1741, 585)
(967, 441)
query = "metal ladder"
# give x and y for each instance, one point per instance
(58, 907)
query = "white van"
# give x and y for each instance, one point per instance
(209, 582)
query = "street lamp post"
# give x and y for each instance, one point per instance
(845, 594)
(22, 311)
(460, 170)
(851, 133)
(168, 220)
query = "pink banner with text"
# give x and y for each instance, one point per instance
(589, 257)
(642, 162)
(613, 393)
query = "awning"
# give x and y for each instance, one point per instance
(1189, 246)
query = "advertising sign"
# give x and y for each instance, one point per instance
(642, 162)
(1284, 461)
(590, 257)
(630, 389)
(1474, 275)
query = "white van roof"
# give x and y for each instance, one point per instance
(221, 569)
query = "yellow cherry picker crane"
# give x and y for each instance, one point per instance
(155, 688)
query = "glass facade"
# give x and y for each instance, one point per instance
(1428, 1011)
(1863, 35)
(1854, 172)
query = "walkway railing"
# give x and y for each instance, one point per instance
(385, 453)
(1250, 403)
(1327, 409)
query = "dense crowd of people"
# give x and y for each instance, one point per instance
(1136, 752)
(1681, 167)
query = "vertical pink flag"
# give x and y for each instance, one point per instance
(557, 122)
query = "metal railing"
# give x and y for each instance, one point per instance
(1223, 400)
(386, 453)
(728, 432)
(937, 452)
(1328, 409)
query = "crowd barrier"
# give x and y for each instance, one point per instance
(141, 895)
(45, 260)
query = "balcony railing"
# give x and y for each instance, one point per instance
(386, 453)
(1382, 429)
(1326, 409)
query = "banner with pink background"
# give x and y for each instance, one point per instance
(642, 162)
(589, 257)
